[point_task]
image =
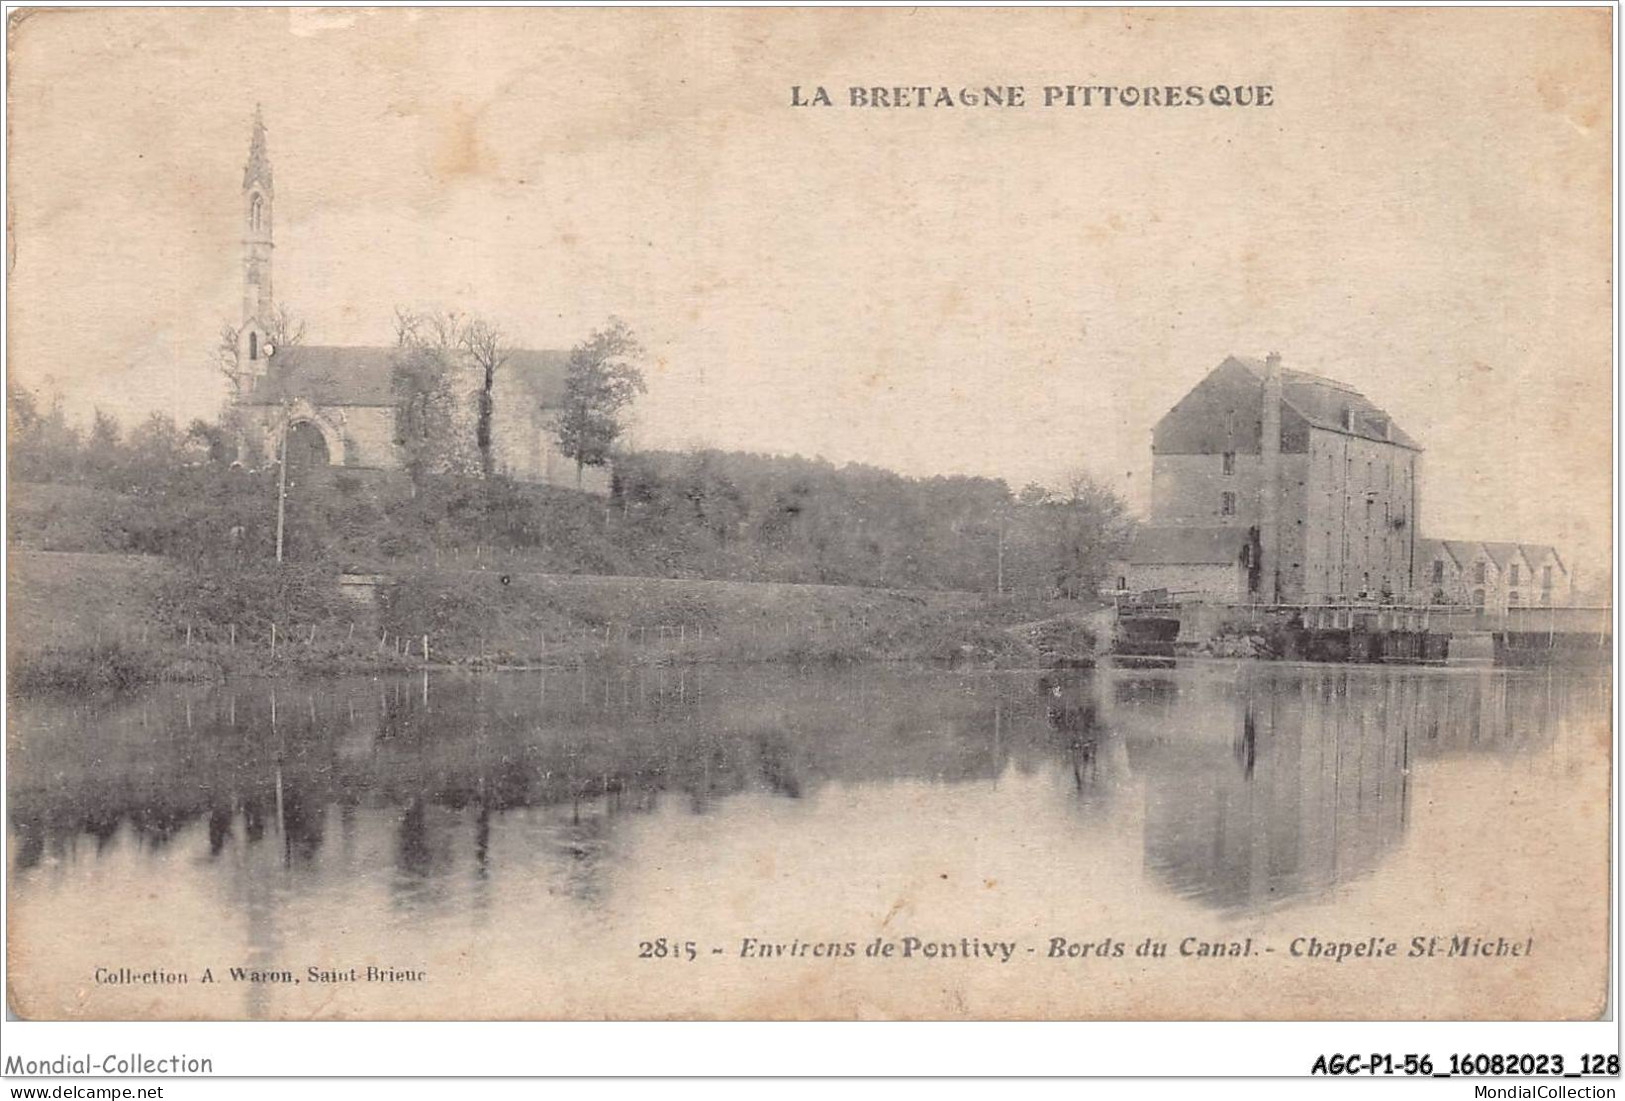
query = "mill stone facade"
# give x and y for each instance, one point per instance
(1277, 486)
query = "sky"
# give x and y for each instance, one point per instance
(1423, 212)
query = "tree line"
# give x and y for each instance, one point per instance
(159, 488)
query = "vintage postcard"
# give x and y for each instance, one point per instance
(924, 514)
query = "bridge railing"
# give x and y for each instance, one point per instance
(1429, 617)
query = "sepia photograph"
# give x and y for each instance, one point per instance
(596, 514)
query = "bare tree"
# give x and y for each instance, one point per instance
(284, 332)
(427, 328)
(486, 345)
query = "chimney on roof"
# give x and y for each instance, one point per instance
(1269, 503)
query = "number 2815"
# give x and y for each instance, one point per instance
(661, 949)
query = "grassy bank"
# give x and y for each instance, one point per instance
(81, 622)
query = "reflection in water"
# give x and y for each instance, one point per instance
(1251, 786)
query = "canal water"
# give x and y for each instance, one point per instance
(1218, 840)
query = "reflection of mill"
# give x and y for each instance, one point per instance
(1277, 783)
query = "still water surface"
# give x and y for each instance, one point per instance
(513, 841)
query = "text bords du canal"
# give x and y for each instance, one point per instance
(1459, 946)
(937, 96)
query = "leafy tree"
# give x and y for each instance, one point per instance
(22, 408)
(1094, 526)
(429, 426)
(602, 379)
(43, 445)
(207, 443)
(154, 450)
(104, 452)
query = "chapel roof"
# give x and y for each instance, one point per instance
(360, 375)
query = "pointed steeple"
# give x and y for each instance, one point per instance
(257, 248)
(258, 168)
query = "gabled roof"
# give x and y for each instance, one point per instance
(1460, 551)
(326, 374)
(1333, 405)
(541, 371)
(1503, 554)
(1537, 552)
(1187, 546)
(1429, 549)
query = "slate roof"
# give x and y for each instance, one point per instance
(1536, 552)
(1461, 550)
(1502, 553)
(360, 375)
(1187, 546)
(1326, 403)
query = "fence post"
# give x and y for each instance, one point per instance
(234, 636)
(425, 649)
(273, 638)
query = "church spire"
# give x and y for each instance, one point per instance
(258, 168)
(257, 246)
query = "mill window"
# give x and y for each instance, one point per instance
(1438, 571)
(1512, 574)
(1227, 504)
(1229, 462)
(253, 345)
(1478, 573)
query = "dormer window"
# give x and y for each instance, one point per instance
(253, 346)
